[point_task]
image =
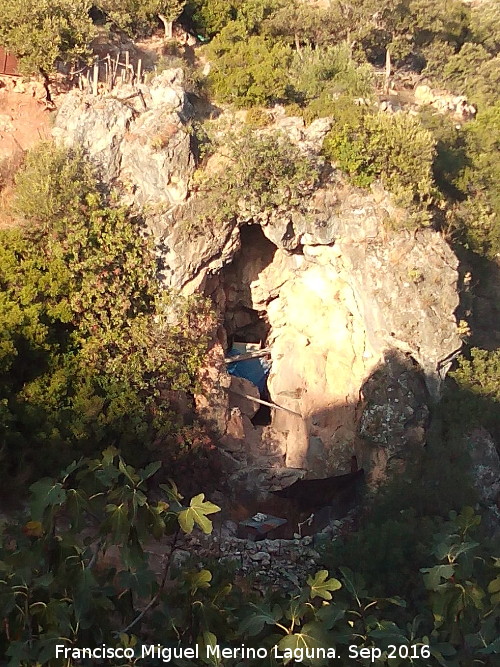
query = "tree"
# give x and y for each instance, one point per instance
(485, 22)
(406, 26)
(210, 16)
(140, 16)
(299, 22)
(43, 32)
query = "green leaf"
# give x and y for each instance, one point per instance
(354, 583)
(139, 581)
(330, 614)
(172, 491)
(208, 639)
(45, 580)
(76, 504)
(196, 513)
(321, 585)
(109, 455)
(311, 636)
(118, 522)
(389, 633)
(257, 617)
(200, 579)
(494, 647)
(45, 493)
(433, 575)
(84, 587)
(149, 470)
(494, 585)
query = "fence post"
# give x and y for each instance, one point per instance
(95, 78)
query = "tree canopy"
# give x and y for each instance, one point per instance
(42, 32)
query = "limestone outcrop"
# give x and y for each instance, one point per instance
(359, 319)
(358, 332)
(137, 137)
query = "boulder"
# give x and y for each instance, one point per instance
(137, 137)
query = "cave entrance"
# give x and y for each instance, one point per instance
(245, 318)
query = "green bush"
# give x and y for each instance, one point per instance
(210, 17)
(43, 32)
(477, 219)
(87, 336)
(248, 72)
(264, 172)
(392, 147)
(80, 557)
(53, 187)
(329, 71)
(256, 118)
(474, 399)
(484, 25)
(406, 27)
(450, 158)
(474, 73)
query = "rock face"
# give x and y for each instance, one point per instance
(358, 330)
(359, 320)
(485, 471)
(135, 136)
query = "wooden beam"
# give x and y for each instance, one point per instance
(248, 355)
(261, 402)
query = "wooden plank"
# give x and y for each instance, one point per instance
(248, 355)
(95, 79)
(267, 403)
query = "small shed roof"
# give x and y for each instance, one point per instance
(8, 63)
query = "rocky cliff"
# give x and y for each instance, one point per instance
(359, 319)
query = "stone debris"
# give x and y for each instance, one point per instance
(281, 563)
(445, 102)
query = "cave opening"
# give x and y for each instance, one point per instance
(245, 318)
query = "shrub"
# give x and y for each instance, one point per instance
(451, 154)
(329, 71)
(485, 22)
(265, 172)
(392, 147)
(53, 187)
(473, 72)
(42, 32)
(88, 338)
(210, 16)
(475, 398)
(477, 219)
(257, 118)
(249, 72)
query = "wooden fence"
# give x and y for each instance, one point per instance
(105, 73)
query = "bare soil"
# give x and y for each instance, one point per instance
(24, 122)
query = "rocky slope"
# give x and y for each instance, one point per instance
(359, 320)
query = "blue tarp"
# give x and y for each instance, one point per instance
(255, 370)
